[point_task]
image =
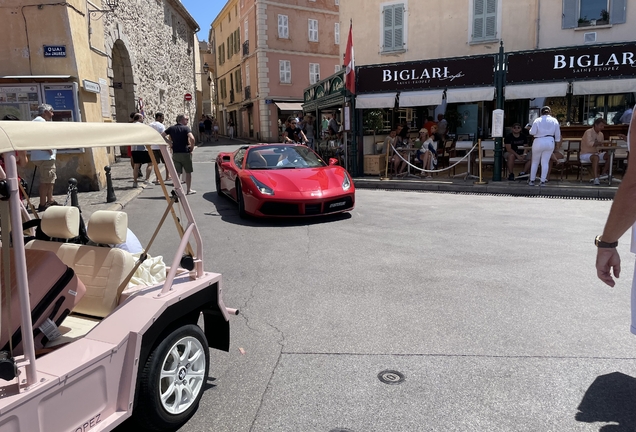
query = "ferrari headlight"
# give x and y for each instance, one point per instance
(346, 183)
(262, 187)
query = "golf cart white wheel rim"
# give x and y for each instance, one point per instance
(182, 375)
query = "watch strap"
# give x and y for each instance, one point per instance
(604, 245)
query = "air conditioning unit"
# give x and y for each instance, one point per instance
(589, 37)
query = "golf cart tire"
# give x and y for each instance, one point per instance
(150, 412)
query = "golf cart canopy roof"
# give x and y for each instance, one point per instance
(25, 135)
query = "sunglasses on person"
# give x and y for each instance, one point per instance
(293, 122)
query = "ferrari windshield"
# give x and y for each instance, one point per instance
(282, 157)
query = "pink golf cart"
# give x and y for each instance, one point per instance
(84, 342)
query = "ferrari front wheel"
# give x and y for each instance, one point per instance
(240, 201)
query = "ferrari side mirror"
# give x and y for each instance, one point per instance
(333, 161)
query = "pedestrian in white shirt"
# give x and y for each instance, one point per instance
(156, 150)
(546, 132)
(44, 160)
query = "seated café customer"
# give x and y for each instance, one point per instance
(390, 142)
(426, 153)
(513, 149)
(592, 138)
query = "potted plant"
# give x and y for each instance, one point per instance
(373, 121)
(604, 18)
(583, 22)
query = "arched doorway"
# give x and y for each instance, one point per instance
(123, 83)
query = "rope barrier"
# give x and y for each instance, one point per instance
(396, 151)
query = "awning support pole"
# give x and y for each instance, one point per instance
(500, 78)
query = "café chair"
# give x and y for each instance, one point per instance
(462, 147)
(487, 153)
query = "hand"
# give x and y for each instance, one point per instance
(608, 261)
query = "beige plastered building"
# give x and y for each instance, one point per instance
(95, 64)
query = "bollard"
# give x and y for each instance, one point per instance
(110, 191)
(72, 191)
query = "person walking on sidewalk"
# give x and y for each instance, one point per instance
(44, 161)
(622, 215)
(230, 128)
(182, 143)
(546, 132)
(140, 156)
(156, 150)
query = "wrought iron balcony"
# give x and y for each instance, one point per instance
(246, 48)
(231, 96)
(248, 92)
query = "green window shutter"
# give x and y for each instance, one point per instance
(491, 19)
(398, 27)
(618, 11)
(568, 17)
(479, 19)
(388, 28)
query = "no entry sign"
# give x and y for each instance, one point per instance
(187, 97)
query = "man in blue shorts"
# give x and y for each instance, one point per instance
(182, 143)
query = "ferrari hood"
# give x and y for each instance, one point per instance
(302, 179)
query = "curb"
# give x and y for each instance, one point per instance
(552, 190)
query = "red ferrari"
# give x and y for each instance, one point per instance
(274, 180)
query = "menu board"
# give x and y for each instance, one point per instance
(20, 101)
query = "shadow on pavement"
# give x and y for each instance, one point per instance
(610, 399)
(228, 211)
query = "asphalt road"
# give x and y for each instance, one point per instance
(488, 305)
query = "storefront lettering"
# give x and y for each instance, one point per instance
(586, 61)
(408, 75)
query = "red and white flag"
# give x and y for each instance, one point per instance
(350, 73)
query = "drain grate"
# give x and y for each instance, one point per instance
(391, 377)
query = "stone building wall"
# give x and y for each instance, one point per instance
(150, 48)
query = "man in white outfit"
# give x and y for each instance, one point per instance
(622, 215)
(546, 132)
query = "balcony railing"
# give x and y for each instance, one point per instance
(231, 96)
(246, 48)
(248, 92)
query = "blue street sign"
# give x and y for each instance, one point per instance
(54, 51)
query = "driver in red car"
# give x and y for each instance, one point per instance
(290, 157)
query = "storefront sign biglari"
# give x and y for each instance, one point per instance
(594, 61)
(428, 74)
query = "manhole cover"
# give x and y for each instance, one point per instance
(391, 377)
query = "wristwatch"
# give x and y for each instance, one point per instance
(604, 245)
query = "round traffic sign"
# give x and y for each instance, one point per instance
(187, 97)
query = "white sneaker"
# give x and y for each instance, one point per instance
(530, 183)
(597, 182)
(604, 177)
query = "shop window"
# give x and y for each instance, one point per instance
(484, 20)
(336, 33)
(313, 30)
(284, 68)
(314, 73)
(584, 13)
(393, 27)
(283, 26)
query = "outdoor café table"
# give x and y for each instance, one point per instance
(405, 152)
(610, 149)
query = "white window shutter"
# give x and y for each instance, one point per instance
(388, 28)
(569, 18)
(618, 11)
(398, 27)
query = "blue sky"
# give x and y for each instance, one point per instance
(204, 11)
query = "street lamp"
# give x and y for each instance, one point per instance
(206, 67)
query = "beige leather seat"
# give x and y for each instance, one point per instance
(102, 269)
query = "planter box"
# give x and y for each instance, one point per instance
(374, 164)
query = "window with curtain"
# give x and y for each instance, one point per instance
(283, 26)
(314, 73)
(393, 27)
(284, 67)
(313, 30)
(484, 20)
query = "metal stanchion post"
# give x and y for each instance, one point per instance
(72, 191)
(110, 191)
(480, 182)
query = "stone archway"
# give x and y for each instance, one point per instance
(123, 82)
